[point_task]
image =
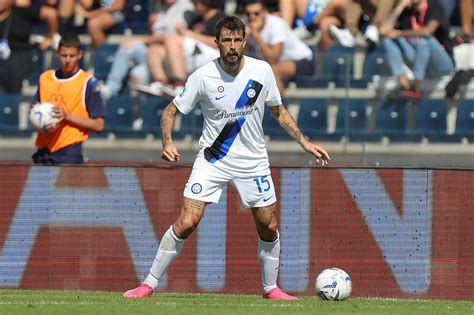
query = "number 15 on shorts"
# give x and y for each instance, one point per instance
(263, 184)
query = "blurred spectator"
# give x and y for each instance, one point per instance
(133, 52)
(365, 16)
(298, 13)
(191, 47)
(16, 51)
(416, 34)
(78, 104)
(101, 15)
(271, 39)
(462, 12)
(315, 14)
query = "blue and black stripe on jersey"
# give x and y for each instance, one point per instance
(223, 142)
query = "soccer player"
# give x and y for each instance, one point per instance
(233, 90)
(78, 104)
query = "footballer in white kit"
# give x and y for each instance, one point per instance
(232, 145)
(232, 91)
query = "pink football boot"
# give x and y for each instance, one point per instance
(278, 294)
(142, 291)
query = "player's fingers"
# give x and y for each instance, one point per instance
(167, 156)
(324, 153)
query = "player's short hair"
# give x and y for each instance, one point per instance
(70, 40)
(231, 23)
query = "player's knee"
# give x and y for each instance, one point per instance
(268, 226)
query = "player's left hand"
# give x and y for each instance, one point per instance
(322, 157)
(59, 112)
(170, 152)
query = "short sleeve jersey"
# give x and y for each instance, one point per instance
(233, 109)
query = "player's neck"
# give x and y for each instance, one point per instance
(230, 69)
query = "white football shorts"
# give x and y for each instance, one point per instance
(207, 181)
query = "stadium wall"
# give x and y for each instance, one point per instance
(399, 233)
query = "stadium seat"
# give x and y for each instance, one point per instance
(313, 119)
(392, 121)
(152, 109)
(465, 119)
(190, 124)
(353, 83)
(431, 121)
(272, 128)
(338, 63)
(375, 64)
(37, 66)
(120, 116)
(136, 15)
(311, 82)
(9, 118)
(352, 121)
(103, 59)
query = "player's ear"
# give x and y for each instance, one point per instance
(216, 41)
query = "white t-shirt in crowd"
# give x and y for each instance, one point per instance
(169, 17)
(233, 108)
(276, 31)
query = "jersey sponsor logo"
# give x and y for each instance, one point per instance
(223, 142)
(220, 89)
(219, 97)
(196, 188)
(225, 114)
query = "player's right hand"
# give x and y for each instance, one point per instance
(170, 153)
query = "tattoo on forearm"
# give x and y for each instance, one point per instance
(167, 122)
(289, 124)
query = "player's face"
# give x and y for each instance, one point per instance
(69, 58)
(231, 46)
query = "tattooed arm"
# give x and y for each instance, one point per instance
(170, 152)
(288, 123)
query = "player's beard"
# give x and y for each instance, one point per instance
(233, 58)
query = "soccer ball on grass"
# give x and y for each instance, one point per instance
(333, 284)
(42, 117)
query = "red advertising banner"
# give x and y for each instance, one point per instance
(398, 233)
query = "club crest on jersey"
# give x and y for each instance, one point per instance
(196, 188)
(220, 89)
(251, 93)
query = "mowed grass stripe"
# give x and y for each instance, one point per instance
(81, 302)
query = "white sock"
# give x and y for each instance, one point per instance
(170, 247)
(269, 259)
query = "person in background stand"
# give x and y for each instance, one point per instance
(79, 105)
(416, 34)
(101, 15)
(272, 40)
(16, 51)
(233, 91)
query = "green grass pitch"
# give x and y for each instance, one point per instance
(74, 302)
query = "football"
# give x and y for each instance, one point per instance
(333, 284)
(42, 118)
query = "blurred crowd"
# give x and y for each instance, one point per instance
(416, 35)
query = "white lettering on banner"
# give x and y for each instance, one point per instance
(41, 203)
(404, 240)
(295, 221)
(211, 246)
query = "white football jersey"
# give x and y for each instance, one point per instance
(233, 108)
